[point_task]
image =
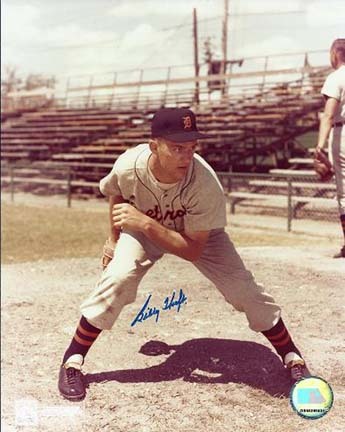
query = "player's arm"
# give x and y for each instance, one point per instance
(326, 122)
(114, 232)
(187, 245)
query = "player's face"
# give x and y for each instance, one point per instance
(173, 159)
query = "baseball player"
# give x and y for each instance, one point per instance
(332, 125)
(164, 198)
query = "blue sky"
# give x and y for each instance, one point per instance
(92, 36)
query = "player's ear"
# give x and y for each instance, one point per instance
(153, 143)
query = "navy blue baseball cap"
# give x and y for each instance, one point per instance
(176, 124)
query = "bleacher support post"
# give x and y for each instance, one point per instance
(88, 103)
(69, 187)
(12, 183)
(67, 90)
(166, 86)
(113, 90)
(289, 206)
(141, 76)
(229, 178)
(196, 58)
(264, 75)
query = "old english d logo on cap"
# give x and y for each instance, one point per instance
(187, 122)
(175, 124)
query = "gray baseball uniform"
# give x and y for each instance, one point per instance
(334, 87)
(196, 203)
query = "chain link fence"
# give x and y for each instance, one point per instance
(47, 180)
(298, 195)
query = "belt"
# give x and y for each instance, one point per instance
(338, 124)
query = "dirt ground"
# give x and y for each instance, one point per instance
(218, 376)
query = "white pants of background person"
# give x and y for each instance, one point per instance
(337, 154)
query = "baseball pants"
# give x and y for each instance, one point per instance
(220, 263)
(337, 152)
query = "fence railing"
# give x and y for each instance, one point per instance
(166, 85)
(167, 91)
(64, 181)
(292, 195)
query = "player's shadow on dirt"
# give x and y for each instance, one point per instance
(208, 361)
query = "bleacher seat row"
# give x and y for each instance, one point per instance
(244, 131)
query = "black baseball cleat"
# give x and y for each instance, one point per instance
(71, 383)
(298, 371)
(296, 366)
(340, 254)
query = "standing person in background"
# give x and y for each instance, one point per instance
(332, 125)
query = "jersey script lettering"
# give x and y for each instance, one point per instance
(156, 214)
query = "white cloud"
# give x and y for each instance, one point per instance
(37, 49)
(270, 6)
(136, 39)
(21, 25)
(72, 34)
(270, 46)
(18, 23)
(176, 8)
(321, 13)
(143, 34)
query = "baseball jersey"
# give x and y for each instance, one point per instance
(334, 87)
(196, 203)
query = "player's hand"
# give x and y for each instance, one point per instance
(125, 216)
(108, 252)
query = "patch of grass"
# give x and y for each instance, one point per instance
(242, 237)
(36, 233)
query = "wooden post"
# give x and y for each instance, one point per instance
(229, 178)
(113, 92)
(196, 57)
(264, 75)
(166, 86)
(12, 183)
(67, 90)
(289, 215)
(225, 43)
(88, 104)
(69, 187)
(305, 66)
(141, 74)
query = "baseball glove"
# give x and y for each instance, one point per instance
(322, 165)
(108, 253)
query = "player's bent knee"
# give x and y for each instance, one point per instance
(265, 320)
(262, 312)
(249, 297)
(237, 291)
(104, 305)
(119, 290)
(235, 303)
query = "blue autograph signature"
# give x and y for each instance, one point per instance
(169, 303)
